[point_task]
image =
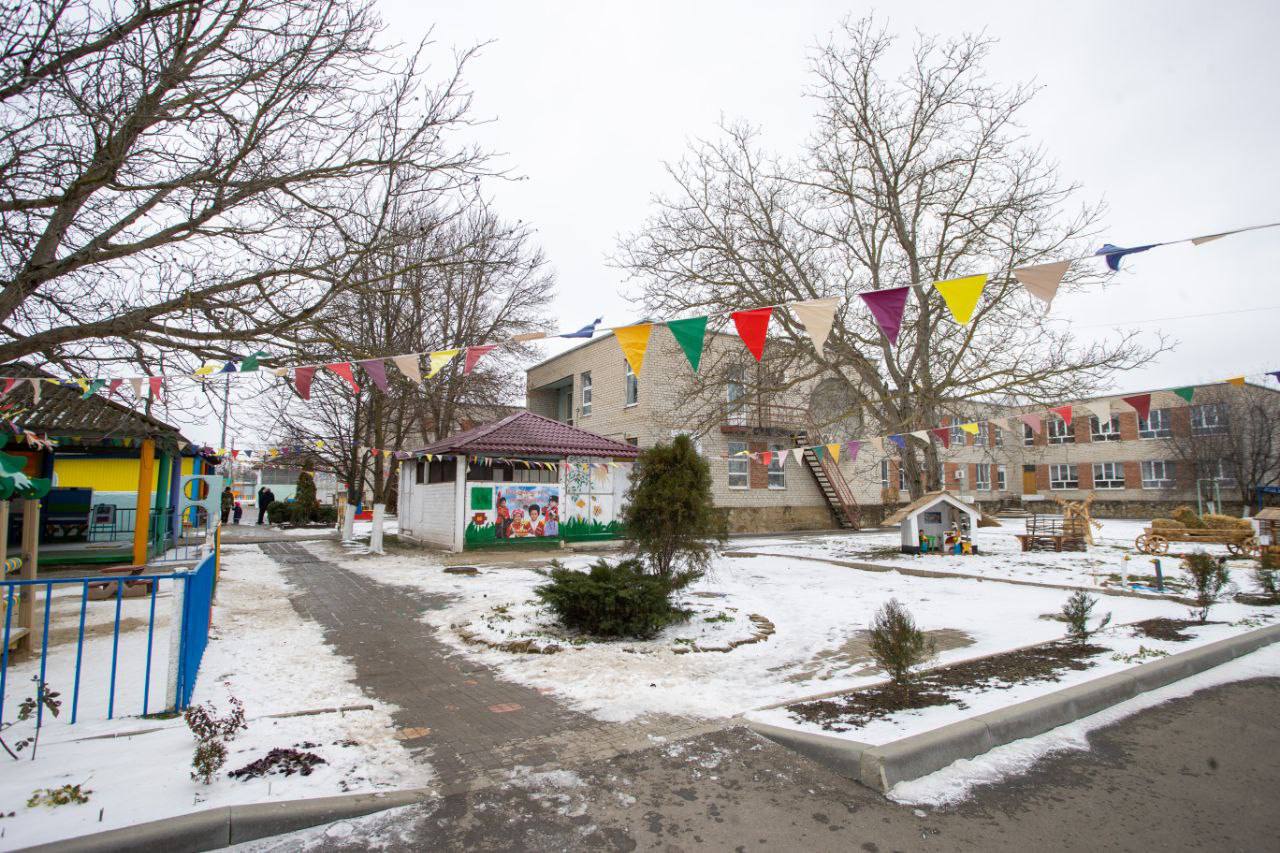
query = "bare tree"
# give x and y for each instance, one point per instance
(1230, 437)
(905, 180)
(197, 176)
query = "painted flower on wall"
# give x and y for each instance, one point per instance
(479, 519)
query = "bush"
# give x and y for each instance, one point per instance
(325, 514)
(281, 512)
(1077, 612)
(897, 645)
(305, 496)
(619, 600)
(1268, 574)
(670, 515)
(1208, 576)
(211, 733)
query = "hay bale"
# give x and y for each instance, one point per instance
(1166, 524)
(1225, 522)
(1186, 516)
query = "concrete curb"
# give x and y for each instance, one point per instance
(883, 766)
(214, 829)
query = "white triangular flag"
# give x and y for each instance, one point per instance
(797, 454)
(409, 366)
(35, 391)
(817, 317)
(922, 434)
(1101, 410)
(136, 384)
(1042, 280)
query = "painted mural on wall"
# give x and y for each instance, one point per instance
(500, 512)
(590, 504)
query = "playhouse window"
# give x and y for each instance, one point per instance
(777, 477)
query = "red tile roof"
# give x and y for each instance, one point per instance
(527, 434)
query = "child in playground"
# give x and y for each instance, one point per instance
(502, 518)
(237, 513)
(553, 516)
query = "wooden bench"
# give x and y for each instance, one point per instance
(98, 590)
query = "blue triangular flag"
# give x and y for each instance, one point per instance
(1115, 253)
(229, 367)
(586, 331)
(899, 440)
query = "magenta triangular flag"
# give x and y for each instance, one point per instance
(851, 448)
(1141, 402)
(377, 371)
(473, 355)
(1063, 412)
(887, 307)
(302, 381)
(752, 327)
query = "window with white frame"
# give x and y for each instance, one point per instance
(739, 466)
(1108, 430)
(632, 384)
(1155, 425)
(884, 474)
(1157, 474)
(981, 438)
(902, 476)
(777, 477)
(1208, 419)
(1028, 435)
(997, 436)
(1064, 477)
(1002, 478)
(1060, 431)
(982, 477)
(586, 393)
(957, 435)
(1108, 475)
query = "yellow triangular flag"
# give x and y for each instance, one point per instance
(817, 316)
(961, 295)
(634, 341)
(203, 371)
(834, 450)
(1237, 381)
(972, 429)
(439, 359)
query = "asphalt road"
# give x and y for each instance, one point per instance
(1201, 773)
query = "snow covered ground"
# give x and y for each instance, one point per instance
(820, 612)
(261, 652)
(1000, 554)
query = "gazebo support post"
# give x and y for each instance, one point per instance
(142, 520)
(30, 552)
(460, 504)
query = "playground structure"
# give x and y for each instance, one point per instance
(1072, 530)
(1240, 542)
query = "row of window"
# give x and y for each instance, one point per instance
(1206, 419)
(1156, 474)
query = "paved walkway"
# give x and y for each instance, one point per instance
(470, 725)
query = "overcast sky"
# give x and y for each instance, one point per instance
(1165, 110)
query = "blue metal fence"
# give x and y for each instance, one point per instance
(74, 597)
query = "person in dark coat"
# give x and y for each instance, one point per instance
(227, 500)
(265, 498)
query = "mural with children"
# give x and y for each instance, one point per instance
(513, 511)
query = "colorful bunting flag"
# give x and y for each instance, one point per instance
(1042, 280)
(8, 386)
(922, 434)
(229, 367)
(409, 366)
(766, 457)
(752, 327)
(114, 386)
(250, 363)
(1033, 422)
(1274, 373)
(1141, 404)
(1115, 253)
(1101, 410)
(834, 451)
(961, 295)
(689, 334)
(156, 384)
(35, 390)
(474, 354)
(1237, 381)
(817, 316)
(899, 440)
(634, 341)
(1209, 238)
(1063, 412)
(136, 384)
(203, 370)
(302, 381)
(887, 307)
(1185, 393)
(798, 454)
(972, 429)
(852, 447)
(586, 331)
(944, 436)
(528, 336)
(343, 369)
(375, 370)
(91, 388)
(439, 359)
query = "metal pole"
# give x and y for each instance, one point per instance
(226, 394)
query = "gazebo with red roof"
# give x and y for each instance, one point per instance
(521, 480)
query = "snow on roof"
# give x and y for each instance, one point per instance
(923, 503)
(527, 434)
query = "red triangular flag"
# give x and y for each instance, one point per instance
(944, 435)
(473, 355)
(1141, 402)
(302, 381)
(1063, 412)
(766, 457)
(234, 453)
(8, 386)
(343, 369)
(752, 326)
(113, 385)
(155, 382)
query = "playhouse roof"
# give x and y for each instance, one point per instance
(527, 434)
(926, 501)
(1271, 513)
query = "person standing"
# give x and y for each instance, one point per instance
(227, 500)
(266, 497)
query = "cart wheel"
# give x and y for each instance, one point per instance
(1251, 547)
(1141, 543)
(1235, 549)
(1158, 545)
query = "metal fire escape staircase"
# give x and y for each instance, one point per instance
(831, 482)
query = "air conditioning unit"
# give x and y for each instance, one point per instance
(959, 473)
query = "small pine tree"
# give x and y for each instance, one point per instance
(670, 514)
(897, 645)
(305, 496)
(1268, 574)
(1209, 577)
(1077, 612)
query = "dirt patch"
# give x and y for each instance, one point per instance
(1164, 629)
(854, 656)
(1258, 600)
(944, 686)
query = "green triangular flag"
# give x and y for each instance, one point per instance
(92, 388)
(1185, 393)
(250, 363)
(689, 334)
(818, 451)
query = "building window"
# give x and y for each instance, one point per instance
(777, 477)
(1108, 430)
(533, 475)
(884, 475)
(632, 383)
(1157, 474)
(1108, 475)
(981, 438)
(982, 477)
(1002, 479)
(997, 436)
(735, 393)
(957, 435)
(633, 440)
(586, 394)
(1218, 470)
(902, 476)
(1028, 435)
(1156, 425)
(1060, 432)
(1208, 419)
(1063, 477)
(739, 466)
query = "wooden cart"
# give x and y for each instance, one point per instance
(1156, 540)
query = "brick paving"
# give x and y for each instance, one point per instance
(453, 713)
